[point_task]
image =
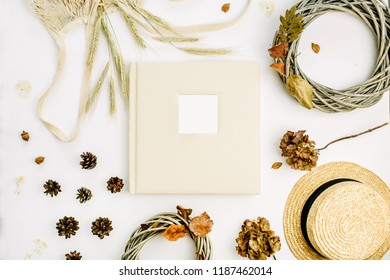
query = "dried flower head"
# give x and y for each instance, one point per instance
(267, 7)
(299, 150)
(72, 256)
(201, 225)
(23, 87)
(256, 240)
(174, 232)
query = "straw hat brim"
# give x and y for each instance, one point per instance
(307, 185)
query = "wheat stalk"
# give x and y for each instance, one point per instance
(118, 60)
(200, 51)
(95, 40)
(170, 39)
(98, 88)
(112, 96)
(134, 31)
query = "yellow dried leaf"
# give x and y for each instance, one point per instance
(301, 90)
(316, 48)
(225, 7)
(174, 232)
(280, 67)
(277, 165)
(201, 225)
(279, 51)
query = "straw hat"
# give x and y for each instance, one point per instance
(339, 210)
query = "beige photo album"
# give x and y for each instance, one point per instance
(194, 128)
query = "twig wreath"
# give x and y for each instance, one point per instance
(375, 13)
(173, 226)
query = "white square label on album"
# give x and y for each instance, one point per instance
(198, 114)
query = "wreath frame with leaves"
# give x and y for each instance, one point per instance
(310, 94)
(158, 225)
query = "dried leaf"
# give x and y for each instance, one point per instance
(201, 225)
(279, 51)
(277, 165)
(280, 67)
(316, 48)
(174, 232)
(225, 7)
(144, 227)
(183, 212)
(301, 90)
(291, 26)
(39, 160)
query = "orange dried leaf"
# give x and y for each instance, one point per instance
(201, 225)
(174, 232)
(225, 7)
(279, 51)
(280, 67)
(316, 48)
(277, 165)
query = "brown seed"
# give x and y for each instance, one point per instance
(25, 136)
(316, 48)
(39, 160)
(276, 165)
(225, 7)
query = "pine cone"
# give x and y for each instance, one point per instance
(52, 188)
(101, 227)
(67, 227)
(84, 194)
(89, 160)
(115, 184)
(299, 150)
(73, 256)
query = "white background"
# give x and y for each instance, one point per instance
(27, 51)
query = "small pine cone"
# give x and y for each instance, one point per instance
(89, 160)
(67, 227)
(101, 227)
(84, 194)
(52, 188)
(299, 150)
(115, 184)
(71, 256)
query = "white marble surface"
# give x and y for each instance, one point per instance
(27, 51)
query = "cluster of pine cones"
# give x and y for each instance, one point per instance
(68, 226)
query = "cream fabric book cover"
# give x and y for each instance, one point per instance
(194, 128)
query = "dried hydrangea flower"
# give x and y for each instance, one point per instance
(256, 240)
(174, 232)
(299, 150)
(201, 225)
